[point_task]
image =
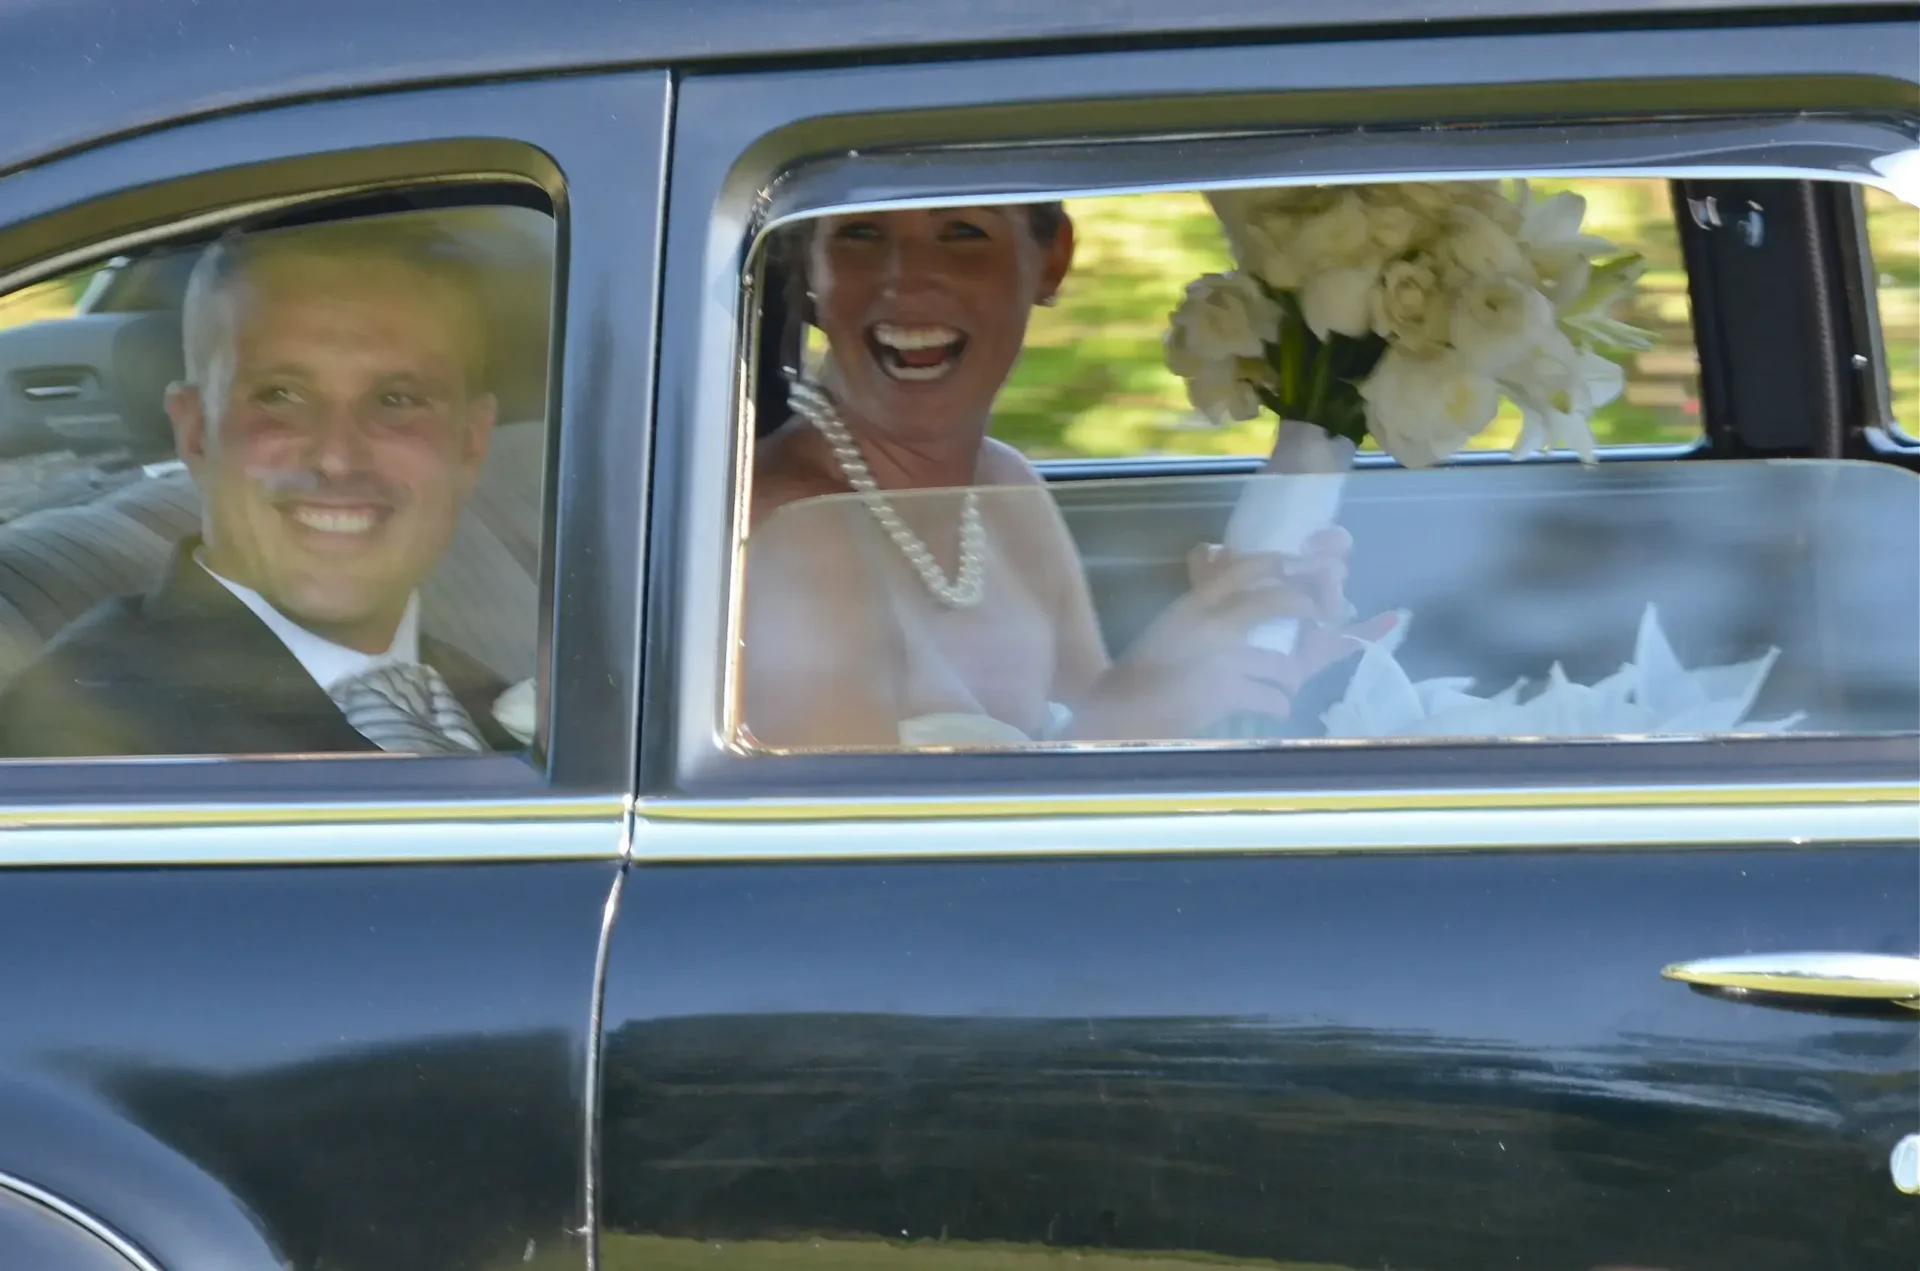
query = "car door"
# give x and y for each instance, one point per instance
(1364, 1005)
(319, 1010)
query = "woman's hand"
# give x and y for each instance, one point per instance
(1193, 666)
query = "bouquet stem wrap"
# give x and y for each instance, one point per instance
(1296, 496)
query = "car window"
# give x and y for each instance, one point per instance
(1893, 237)
(1092, 381)
(278, 491)
(912, 582)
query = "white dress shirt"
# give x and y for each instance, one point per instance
(328, 663)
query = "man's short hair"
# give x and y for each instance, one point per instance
(407, 241)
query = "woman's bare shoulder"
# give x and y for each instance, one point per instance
(1001, 464)
(782, 474)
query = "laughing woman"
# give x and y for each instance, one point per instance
(943, 602)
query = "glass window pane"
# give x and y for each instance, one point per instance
(1621, 600)
(278, 493)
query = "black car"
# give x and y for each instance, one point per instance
(1618, 968)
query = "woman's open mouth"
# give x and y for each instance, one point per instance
(916, 354)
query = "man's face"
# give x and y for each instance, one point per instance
(334, 439)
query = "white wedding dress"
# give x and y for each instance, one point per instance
(968, 728)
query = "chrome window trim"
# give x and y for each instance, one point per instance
(135, 1257)
(895, 830)
(316, 834)
(743, 142)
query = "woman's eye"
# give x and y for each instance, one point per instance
(965, 230)
(858, 232)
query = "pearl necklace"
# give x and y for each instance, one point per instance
(811, 403)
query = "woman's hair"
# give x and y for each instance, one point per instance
(785, 310)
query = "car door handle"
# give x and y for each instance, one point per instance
(1858, 977)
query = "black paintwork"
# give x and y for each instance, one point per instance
(1446, 1062)
(80, 70)
(368, 1069)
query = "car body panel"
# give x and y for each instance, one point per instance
(85, 70)
(1446, 1061)
(376, 1066)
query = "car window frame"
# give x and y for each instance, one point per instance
(595, 147)
(745, 142)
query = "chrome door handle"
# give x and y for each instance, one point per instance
(1859, 977)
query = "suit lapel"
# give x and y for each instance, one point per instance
(235, 665)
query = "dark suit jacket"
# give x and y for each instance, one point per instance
(188, 670)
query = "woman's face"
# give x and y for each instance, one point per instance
(925, 309)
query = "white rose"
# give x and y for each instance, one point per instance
(1496, 319)
(1421, 410)
(1226, 316)
(1338, 300)
(1409, 308)
(1393, 226)
(1262, 247)
(1218, 392)
(1477, 246)
(1334, 238)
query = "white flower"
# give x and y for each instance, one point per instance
(1225, 316)
(1337, 301)
(1558, 387)
(1409, 309)
(1651, 695)
(517, 710)
(1217, 391)
(1550, 231)
(1393, 226)
(1421, 410)
(1335, 238)
(1477, 246)
(1260, 246)
(1497, 319)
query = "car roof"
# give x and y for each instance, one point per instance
(80, 71)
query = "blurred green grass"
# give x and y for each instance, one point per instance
(1091, 383)
(1893, 233)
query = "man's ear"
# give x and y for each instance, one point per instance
(483, 412)
(187, 409)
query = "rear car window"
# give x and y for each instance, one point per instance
(912, 582)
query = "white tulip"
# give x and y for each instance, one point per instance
(1225, 316)
(1497, 319)
(1422, 410)
(1477, 246)
(1409, 309)
(1550, 229)
(1558, 387)
(1338, 301)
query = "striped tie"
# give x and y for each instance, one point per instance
(408, 708)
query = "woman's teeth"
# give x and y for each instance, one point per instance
(334, 520)
(918, 353)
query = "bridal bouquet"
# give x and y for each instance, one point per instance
(1405, 312)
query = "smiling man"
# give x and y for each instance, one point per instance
(334, 418)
